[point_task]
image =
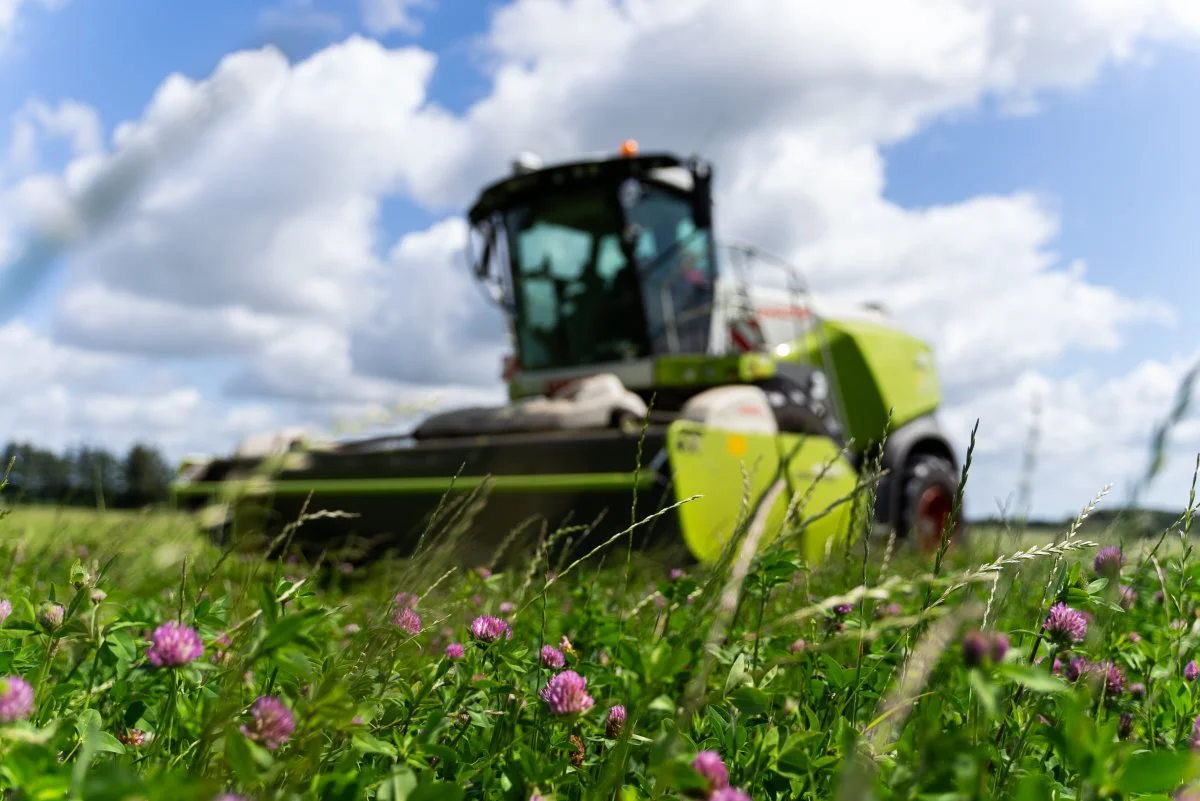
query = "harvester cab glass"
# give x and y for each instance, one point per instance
(603, 261)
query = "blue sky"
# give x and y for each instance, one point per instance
(1115, 159)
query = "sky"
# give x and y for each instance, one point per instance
(1015, 179)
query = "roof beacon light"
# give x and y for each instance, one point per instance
(629, 148)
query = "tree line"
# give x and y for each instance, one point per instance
(85, 476)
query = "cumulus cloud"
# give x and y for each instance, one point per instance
(380, 17)
(264, 240)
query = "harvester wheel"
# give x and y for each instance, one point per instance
(930, 484)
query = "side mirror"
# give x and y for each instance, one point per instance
(701, 194)
(481, 266)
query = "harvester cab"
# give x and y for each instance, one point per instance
(650, 368)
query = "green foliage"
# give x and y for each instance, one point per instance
(805, 687)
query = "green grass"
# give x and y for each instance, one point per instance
(880, 700)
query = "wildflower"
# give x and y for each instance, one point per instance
(710, 766)
(483, 572)
(577, 752)
(408, 620)
(1076, 668)
(5, 610)
(566, 694)
(615, 723)
(676, 573)
(352, 628)
(1125, 725)
(1137, 689)
(975, 647)
(16, 699)
(406, 600)
(729, 794)
(455, 651)
(1194, 742)
(999, 646)
(843, 609)
(486, 628)
(1159, 597)
(1065, 625)
(552, 657)
(1128, 597)
(1109, 561)
(1114, 679)
(507, 607)
(174, 645)
(565, 646)
(273, 722)
(135, 738)
(345, 568)
(98, 595)
(1134, 637)
(230, 797)
(1191, 671)
(50, 615)
(890, 610)
(798, 646)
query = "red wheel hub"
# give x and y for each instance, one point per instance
(934, 507)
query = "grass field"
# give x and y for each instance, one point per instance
(874, 675)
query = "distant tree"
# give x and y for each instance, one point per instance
(147, 477)
(97, 477)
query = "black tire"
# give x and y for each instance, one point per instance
(930, 487)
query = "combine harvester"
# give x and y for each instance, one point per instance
(649, 365)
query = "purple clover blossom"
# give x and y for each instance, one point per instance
(729, 794)
(1065, 625)
(507, 608)
(1077, 667)
(843, 609)
(406, 600)
(1109, 561)
(1137, 689)
(5, 610)
(407, 620)
(1191, 671)
(566, 694)
(1125, 725)
(174, 645)
(487, 628)
(455, 651)
(16, 699)
(50, 615)
(798, 646)
(999, 646)
(975, 647)
(1128, 597)
(1194, 742)
(273, 722)
(552, 657)
(1114, 679)
(676, 573)
(710, 766)
(614, 724)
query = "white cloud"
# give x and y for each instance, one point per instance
(380, 17)
(266, 243)
(75, 122)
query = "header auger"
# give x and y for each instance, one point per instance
(648, 365)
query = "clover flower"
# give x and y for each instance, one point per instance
(712, 768)
(273, 722)
(552, 657)
(407, 620)
(487, 628)
(1191, 671)
(614, 724)
(50, 615)
(455, 651)
(566, 694)
(1065, 625)
(174, 645)
(5, 610)
(406, 600)
(16, 699)
(1109, 561)
(729, 794)
(1128, 597)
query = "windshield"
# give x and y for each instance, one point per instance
(578, 302)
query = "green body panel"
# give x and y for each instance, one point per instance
(701, 370)
(572, 482)
(874, 368)
(709, 462)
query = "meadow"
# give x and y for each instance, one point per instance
(142, 661)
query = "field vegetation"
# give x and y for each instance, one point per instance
(139, 660)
